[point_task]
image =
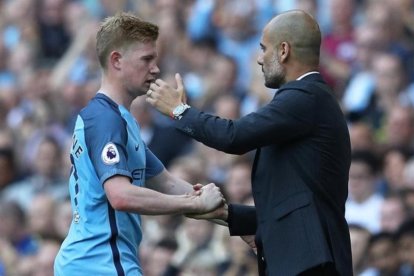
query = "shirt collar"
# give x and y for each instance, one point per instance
(307, 74)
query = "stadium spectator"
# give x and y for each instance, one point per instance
(362, 137)
(238, 186)
(393, 165)
(393, 213)
(40, 216)
(399, 127)
(14, 229)
(359, 242)
(405, 243)
(338, 45)
(381, 257)
(45, 176)
(364, 202)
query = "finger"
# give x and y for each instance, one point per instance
(153, 86)
(179, 80)
(151, 101)
(159, 82)
(180, 87)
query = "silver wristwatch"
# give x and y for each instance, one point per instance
(177, 113)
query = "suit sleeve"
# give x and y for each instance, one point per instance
(242, 220)
(288, 116)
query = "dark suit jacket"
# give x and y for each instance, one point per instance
(299, 176)
(167, 143)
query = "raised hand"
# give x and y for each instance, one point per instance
(164, 97)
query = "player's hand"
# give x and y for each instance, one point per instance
(209, 199)
(164, 97)
(196, 190)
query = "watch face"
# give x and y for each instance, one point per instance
(178, 110)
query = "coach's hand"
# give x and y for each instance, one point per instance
(164, 97)
(250, 241)
(218, 216)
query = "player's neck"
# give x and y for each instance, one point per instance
(114, 92)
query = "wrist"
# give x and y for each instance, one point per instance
(178, 111)
(225, 213)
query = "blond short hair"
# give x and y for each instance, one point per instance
(121, 30)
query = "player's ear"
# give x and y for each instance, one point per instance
(115, 60)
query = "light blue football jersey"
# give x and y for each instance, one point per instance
(101, 240)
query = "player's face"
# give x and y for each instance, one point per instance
(140, 67)
(273, 71)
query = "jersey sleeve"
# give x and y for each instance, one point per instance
(106, 139)
(153, 165)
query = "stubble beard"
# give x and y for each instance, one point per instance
(275, 75)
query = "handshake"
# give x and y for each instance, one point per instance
(211, 204)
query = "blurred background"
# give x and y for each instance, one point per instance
(49, 71)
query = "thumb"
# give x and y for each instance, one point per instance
(180, 87)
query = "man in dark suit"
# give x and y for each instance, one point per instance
(300, 172)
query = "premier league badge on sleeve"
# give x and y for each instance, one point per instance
(110, 154)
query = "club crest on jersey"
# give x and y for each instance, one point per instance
(110, 154)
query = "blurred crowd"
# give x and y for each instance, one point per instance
(48, 72)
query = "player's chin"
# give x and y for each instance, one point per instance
(137, 92)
